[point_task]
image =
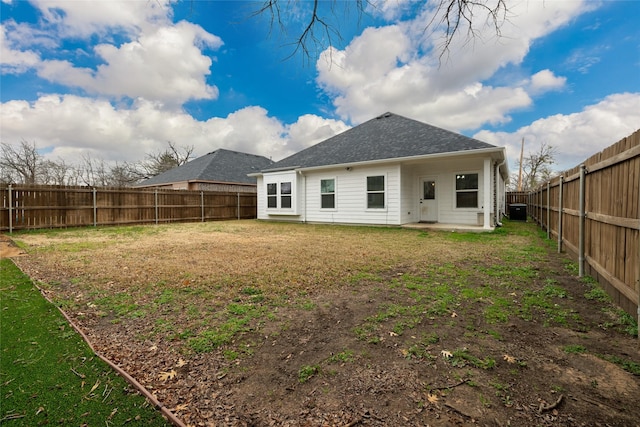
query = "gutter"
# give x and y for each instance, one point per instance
(386, 160)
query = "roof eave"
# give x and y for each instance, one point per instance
(204, 181)
(499, 151)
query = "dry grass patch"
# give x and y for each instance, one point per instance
(296, 324)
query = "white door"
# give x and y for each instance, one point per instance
(428, 200)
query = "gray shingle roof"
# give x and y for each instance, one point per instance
(388, 136)
(218, 166)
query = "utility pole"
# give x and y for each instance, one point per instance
(520, 172)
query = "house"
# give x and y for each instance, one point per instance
(220, 170)
(389, 170)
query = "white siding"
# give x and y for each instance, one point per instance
(351, 196)
(261, 198)
(297, 197)
(444, 171)
(402, 192)
(409, 193)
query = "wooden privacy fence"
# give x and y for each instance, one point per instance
(46, 206)
(594, 212)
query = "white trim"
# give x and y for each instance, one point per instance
(384, 192)
(335, 194)
(455, 190)
(500, 150)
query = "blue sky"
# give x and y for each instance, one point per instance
(116, 80)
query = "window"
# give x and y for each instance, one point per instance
(375, 192)
(467, 190)
(272, 195)
(279, 195)
(285, 194)
(328, 193)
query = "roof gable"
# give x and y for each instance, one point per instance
(218, 166)
(388, 136)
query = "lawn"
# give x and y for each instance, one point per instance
(48, 374)
(247, 322)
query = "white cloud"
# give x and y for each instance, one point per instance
(397, 68)
(164, 65)
(389, 9)
(545, 80)
(83, 18)
(70, 126)
(576, 136)
(310, 129)
(152, 58)
(14, 61)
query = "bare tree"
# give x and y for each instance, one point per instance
(55, 172)
(159, 162)
(20, 164)
(322, 26)
(463, 15)
(122, 175)
(536, 166)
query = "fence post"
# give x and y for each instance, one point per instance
(202, 205)
(95, 207)
(561, 185)
(238, 208)
(548, 209)
(581, 223)
(155, 202)
(10, 209)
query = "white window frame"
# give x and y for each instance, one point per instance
(334, 193)
(278, 195)
(466, 190)
(383, 192)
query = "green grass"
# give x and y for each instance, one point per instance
(625, 364)
(238, 318)
(574, 349)
(307, 372)
(342, 357)
(49, 375)
(461, 358)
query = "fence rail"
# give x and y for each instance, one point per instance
(47, 206)
(593, 210)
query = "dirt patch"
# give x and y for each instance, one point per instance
(247, 323)
(8, 249)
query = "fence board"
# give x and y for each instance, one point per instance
(32, 207)
(612, 218)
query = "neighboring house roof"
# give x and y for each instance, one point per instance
(388, 136)
(218, 166)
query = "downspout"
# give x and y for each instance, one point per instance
(304, 197)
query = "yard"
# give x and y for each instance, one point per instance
(254, 323)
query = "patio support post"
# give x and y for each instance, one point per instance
(487, 194)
